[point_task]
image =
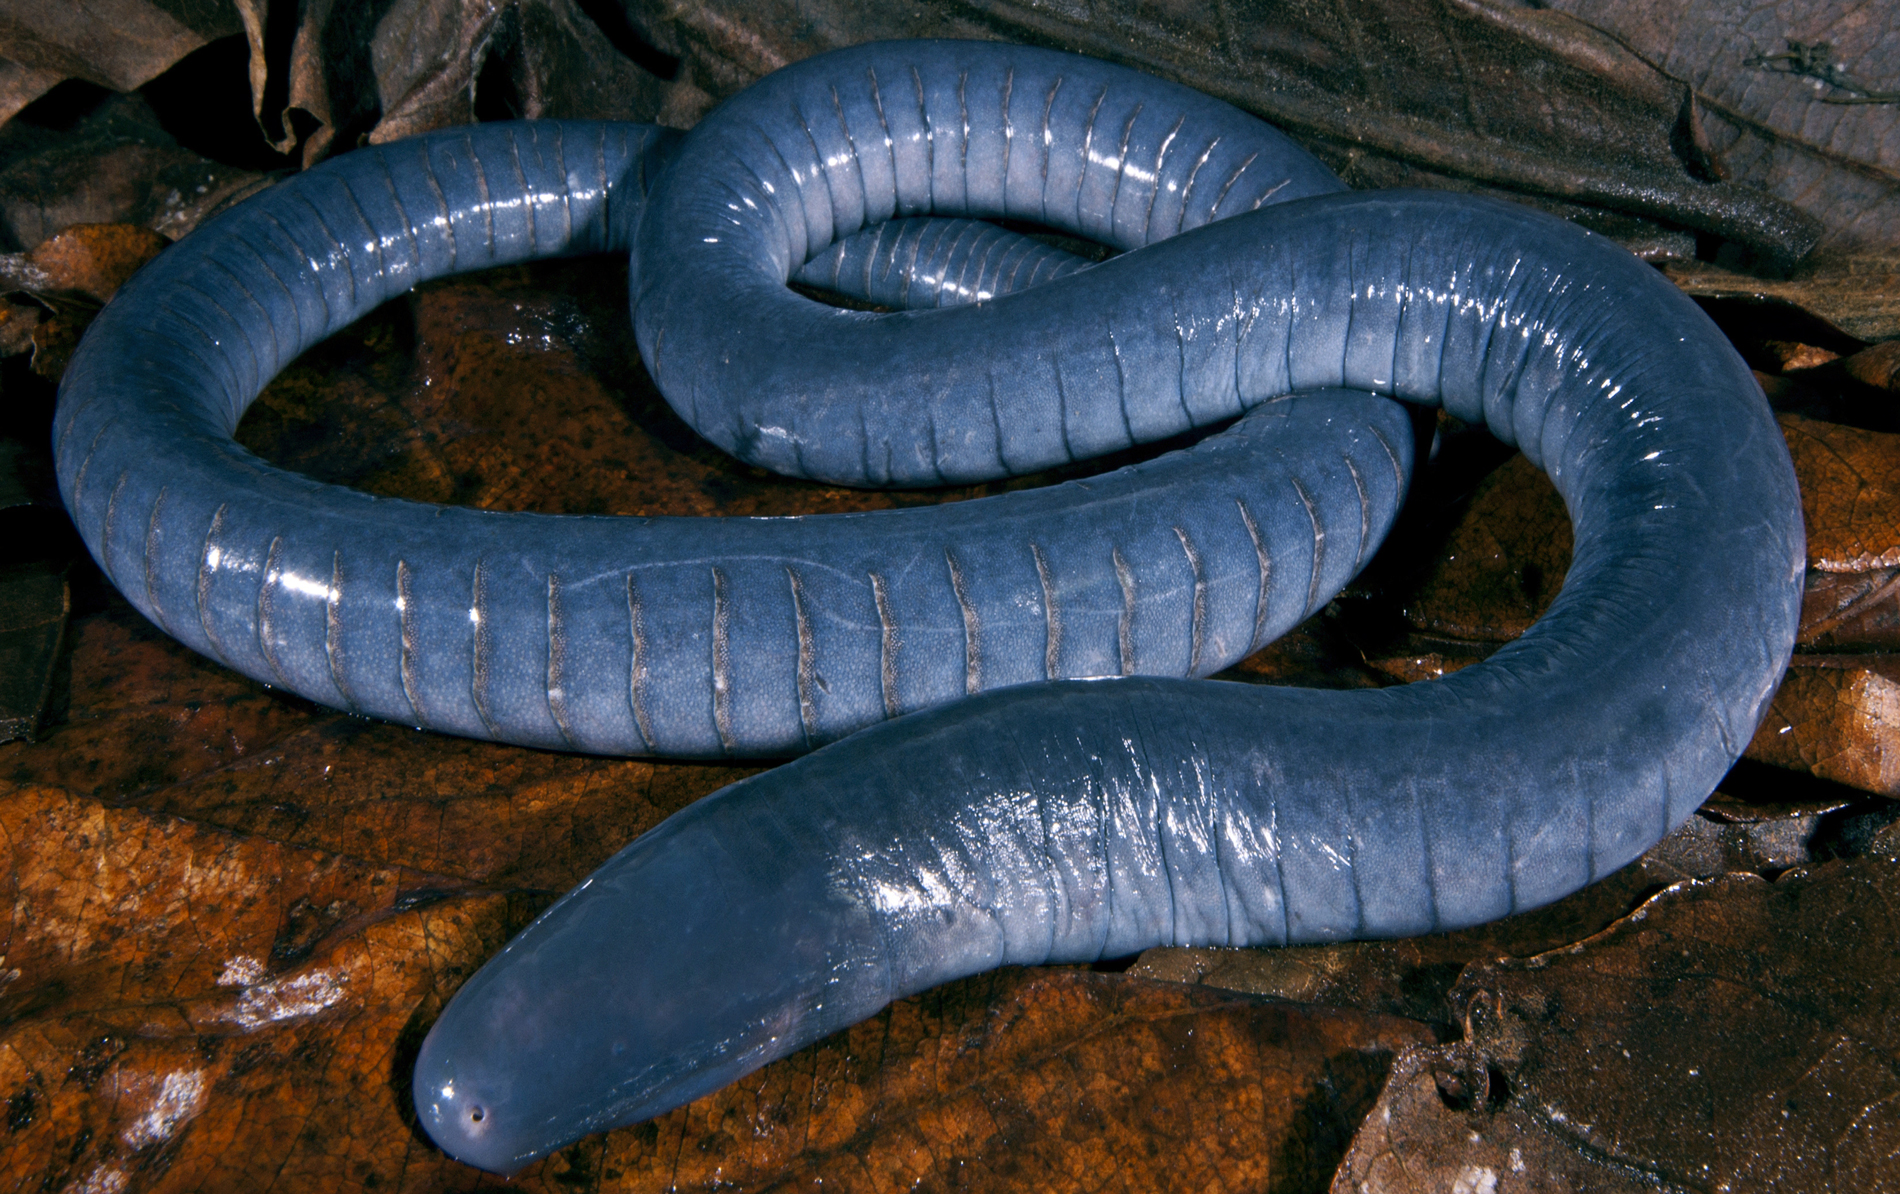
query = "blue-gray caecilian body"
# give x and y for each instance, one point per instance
(980, 820)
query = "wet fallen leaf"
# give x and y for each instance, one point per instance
(1850, 491)
(1793, 356)
(1838, 718)
(1761, 1013)
(1503, 560)
(180, 1001)
(1051, 1080)
(1503, 563)
(1446, 1122)
(1313, 655)
(67, 277)
(1849, 610)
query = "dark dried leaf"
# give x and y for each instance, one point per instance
(1878, 366)
(1394, 91)
(116, 166)
(120, 44)
(1850, 491)
(1858, 295)
(433, 58)
(21, 85)
(1851, 610)
(1776, 121)
(1446, 1122)
(1733, 1034)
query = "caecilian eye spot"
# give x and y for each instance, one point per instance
(476, 1115)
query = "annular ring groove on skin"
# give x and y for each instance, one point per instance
(1026, 822)
(403, 639)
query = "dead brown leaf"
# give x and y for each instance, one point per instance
(94, 259)
(189, 1009)
(1502, 565)
(121, 44)
(116, 165)
(1393, 92)
(1860, 296)
(1877, 366)
(1777, 120)
(1018, 1080)
(429, 58)
(1446, 1121)
(1731, 1034)
(1838, 718)
(1503, 560)
(1850, 491)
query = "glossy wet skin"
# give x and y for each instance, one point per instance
(1052, 822)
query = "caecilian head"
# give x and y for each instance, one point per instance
(689, 959)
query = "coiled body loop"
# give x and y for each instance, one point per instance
(1025, 822)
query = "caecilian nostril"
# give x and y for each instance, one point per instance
(476, 1115)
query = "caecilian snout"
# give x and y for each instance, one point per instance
(468, 1122)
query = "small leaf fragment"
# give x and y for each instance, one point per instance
(1838, 718)
(1877, 366)
(95, 259)
(1732, 1033)
(1446, 1122)
(1850, 492)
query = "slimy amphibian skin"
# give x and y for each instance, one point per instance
(957, 816)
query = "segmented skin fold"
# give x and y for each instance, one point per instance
(1014, 763)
